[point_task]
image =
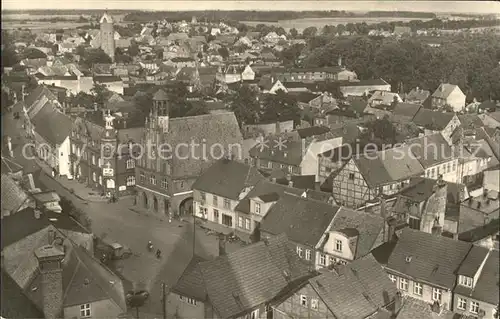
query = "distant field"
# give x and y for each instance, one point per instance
(301, 24)
(33, 22)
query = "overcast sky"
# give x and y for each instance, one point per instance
(167, 5)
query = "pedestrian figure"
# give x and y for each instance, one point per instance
(158, 254)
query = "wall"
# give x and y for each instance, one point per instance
(488, 308)
(116, 86)
(309, 165)
(360, 90)
(426, 293)
(268, 129)
(98, 309)
(456, 99)
(329, 247)
(209, 205)
(81, 84)
(177, 308)
(351, 193)
(448, 169)
(64, 161)
(292, 307)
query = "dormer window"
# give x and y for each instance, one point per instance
(338, 245)
(465, 281)
(257, 208)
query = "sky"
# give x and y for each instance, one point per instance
(300, 5)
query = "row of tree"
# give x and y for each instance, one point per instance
(471, 62)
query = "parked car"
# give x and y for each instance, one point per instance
(137, 296)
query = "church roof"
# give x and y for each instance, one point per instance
(106, 18)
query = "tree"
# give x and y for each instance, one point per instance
(379, 132)
(294, 33)
(224, 52)
(243, 102)
(99, 91)
(9, 57)
(291, 54)
(133, 50)
(95, 56)
(280, 107)
(309, 32)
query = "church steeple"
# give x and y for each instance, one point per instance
(107, 35)
(160, 111)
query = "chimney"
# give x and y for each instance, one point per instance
(222, 246)
(49, 263)
(52, 236)
(9, 146)
(436, 307)
(398, 300)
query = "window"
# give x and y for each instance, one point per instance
(351, 176)
(164, 183)
(465, 281)
(73, 148)
(240, 222)
(254, 314)
(93, 159)
(203, 196)
(257, 208)
(474, 307)
(247, 224)
(142, 177)
(331, 260)
(417, 289)
(314, 304)
(454, 166)
(269, 164)
(308, 254)
(215, 200)
(322, 260)
(437, 294)
(303, 300)
(99, 162)
(227, 203)
(130, 163)
(191, 301)
(85, 310)
(131, 181)
(338, 245)
(227, 220)
(403, 284)
(299, 251)
(414, 223)
(152, 179)
(448, 168)
(216, 215)
(290, 169)
(94, 177)
(433, 171)
(392, 278)
(462, 303)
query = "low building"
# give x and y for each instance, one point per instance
(359, 290)
(432, 122)
(448, 95)
(255, 276)
(365, 177)
(218, 191)
(112, 83)
(416, 95)
(439, 270)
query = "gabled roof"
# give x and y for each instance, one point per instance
(13, 196)
(486, 288)
(15, 304)
(190, 284)
(388, 166)
(406, 109)
(444, 90)
(262, 188)
(227, 178)
(290, 153)
(37, 94)
(52, 125)
(368, 226)
(303, 220)
(432, 259)
(432, 149)
(106, 18)
(432, 120)
(252, 276)
(216, 128)
(312, 131)
(357, 290)
(22, 224)
(85, 280)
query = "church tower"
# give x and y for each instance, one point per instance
(107, 35)
(160, 111)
